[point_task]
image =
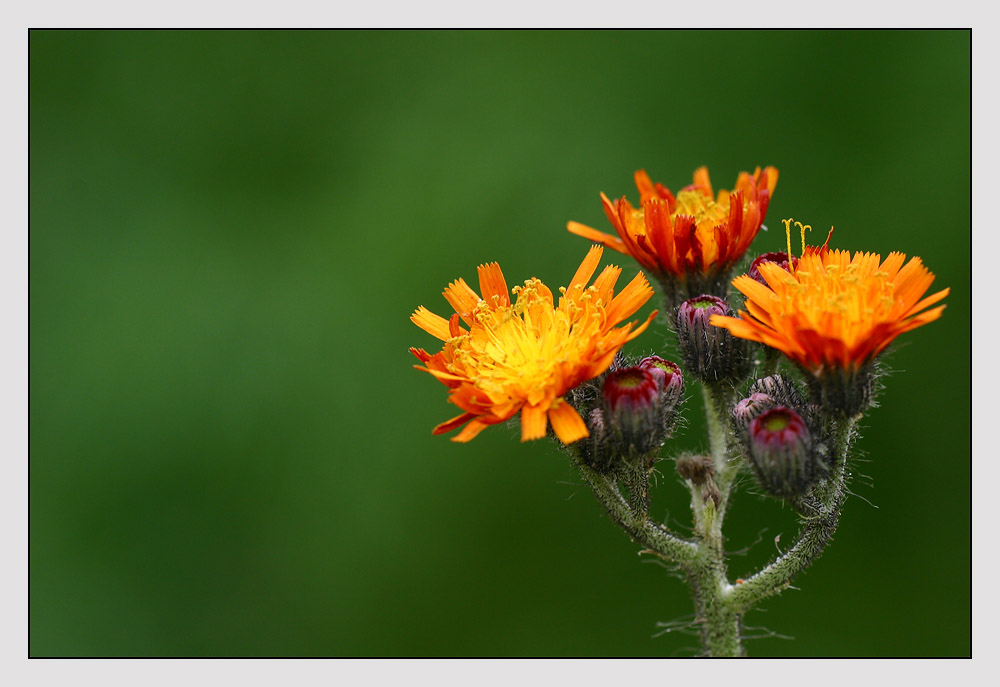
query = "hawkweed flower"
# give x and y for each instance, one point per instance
(832, 314)
(691, 240)
(522, 357)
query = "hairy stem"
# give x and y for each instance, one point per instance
(719, 620)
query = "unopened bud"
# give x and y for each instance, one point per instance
(695, 468)
(711, 491)
(632, 410)
(668, 376)
(781, 452)
(780, 259)
(711, 354)
(780, 388)
(670, 383)
(594, 450)
(749, 408)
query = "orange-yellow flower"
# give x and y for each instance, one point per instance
(834, 312)
(523, 356)
(690, 240)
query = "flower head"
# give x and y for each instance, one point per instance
(523, 356)
(835, 311)
(691, 240)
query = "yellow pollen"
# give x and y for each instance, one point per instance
(701, 207)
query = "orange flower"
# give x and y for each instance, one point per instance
(690, 240)
(524, 356)
(834, 312)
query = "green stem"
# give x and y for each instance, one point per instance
(719, 620)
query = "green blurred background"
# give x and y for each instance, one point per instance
(230, 452)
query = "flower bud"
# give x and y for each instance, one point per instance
(749, 408)
(781, 259)
(695, 468)
(781, 452)
(711, 354)
(632, 410)
(594, 450)
(669, 379)
(780, 388)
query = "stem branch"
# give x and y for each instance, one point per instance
(820, 515)
(638, 525)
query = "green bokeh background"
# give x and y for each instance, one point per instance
(230, 453)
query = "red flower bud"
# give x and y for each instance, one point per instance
(749, 408)
(781, 259)
(632, 409)
(781, 452)
(711, 353)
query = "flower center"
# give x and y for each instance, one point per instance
(701, 207)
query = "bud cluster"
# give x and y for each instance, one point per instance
(785, 448)
(710, 353)
(630, 411)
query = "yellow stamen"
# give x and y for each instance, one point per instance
(788, 240)
(803, 228)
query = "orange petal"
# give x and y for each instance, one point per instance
(892, 264)
(612, 242)
(492, 284)
(930, 300)
(566, 422)
(771, 174)
(533, 423)
(462, 298)
(642, 327)
(435, 325)
(441, 374)
(646, 188)
(454, 422)
(702, 181)
(470, 431)
(605, 283)
(587, 268)
(631, 298)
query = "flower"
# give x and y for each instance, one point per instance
(835, 311)
(523, 356)
(691, 240)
